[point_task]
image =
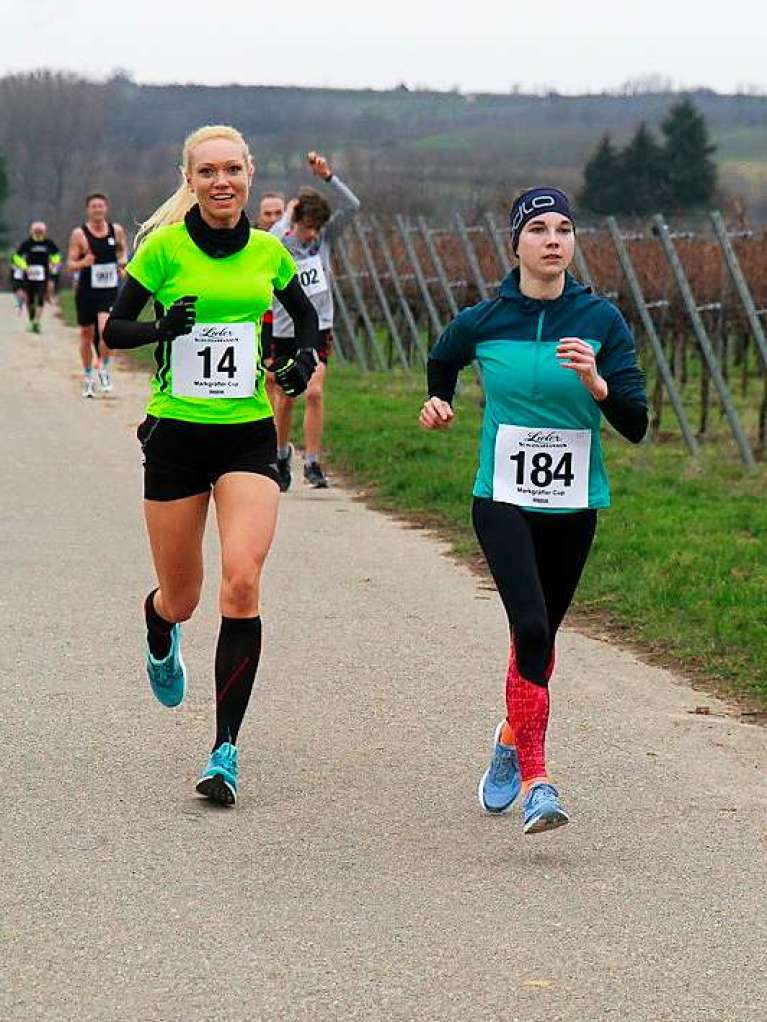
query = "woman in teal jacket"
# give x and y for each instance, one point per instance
(555, 358)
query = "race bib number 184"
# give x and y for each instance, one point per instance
(542, 468)
(216, 360)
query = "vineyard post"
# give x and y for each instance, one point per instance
(582, 267)
(406, 230)
(383, 301)
(500, 248)
(391, 269)
(701, 334)
(359, 298)
(652, 335)
(439, 269)
(348, 322)
(471, 257)
(741, 285)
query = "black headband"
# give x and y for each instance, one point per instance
(534, 202)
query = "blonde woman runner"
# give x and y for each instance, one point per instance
(209, 430)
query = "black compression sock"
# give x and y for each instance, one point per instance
(237, 655)
(157, 629)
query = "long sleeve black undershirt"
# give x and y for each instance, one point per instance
(627, 415)
(123, 331)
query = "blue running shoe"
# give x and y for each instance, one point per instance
(501, 781)
(168, 677)
(219, 779)
(543, 810)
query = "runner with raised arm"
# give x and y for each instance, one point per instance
(209, 429)
(35, 261)
(97, 254)
(308, 229)
(555, 358)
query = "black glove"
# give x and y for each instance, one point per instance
(179, 319)
(293, 372)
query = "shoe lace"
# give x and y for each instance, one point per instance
(504, 765)
(542, 793)
(224, 756)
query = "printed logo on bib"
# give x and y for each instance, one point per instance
(104, 275)
(36, 273)
(216, 360)
(542, 468)
(311, 276)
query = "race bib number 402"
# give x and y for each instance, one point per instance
(216, 360)
(311, 276)
(104, 275)
(542, 468)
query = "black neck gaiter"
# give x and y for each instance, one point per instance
(217, 243)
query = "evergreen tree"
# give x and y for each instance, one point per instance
(601, 192)
(643, 179)
(691, 173)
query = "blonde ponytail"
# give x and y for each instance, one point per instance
(174, 209)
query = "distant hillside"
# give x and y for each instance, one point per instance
(405, 151)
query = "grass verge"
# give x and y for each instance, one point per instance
(678, 567)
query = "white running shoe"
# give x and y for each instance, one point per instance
(105, 380)
(89, 387)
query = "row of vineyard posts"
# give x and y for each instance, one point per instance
(696, 300)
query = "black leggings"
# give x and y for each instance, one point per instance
(536, 560)
(35, 292)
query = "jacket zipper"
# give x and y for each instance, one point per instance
(538, 336)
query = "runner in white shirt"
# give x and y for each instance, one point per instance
(308, 229)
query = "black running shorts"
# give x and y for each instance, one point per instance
(279, 346)
(182, 459)
(90, 303)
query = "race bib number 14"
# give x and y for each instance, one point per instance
(542, 468)
(216, 360)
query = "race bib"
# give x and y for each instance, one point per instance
(36, 273)
(18, 274)
(216, 360)
(542, 468)
(104, 275)
(311, 276)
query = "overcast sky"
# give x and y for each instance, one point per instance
(485, 46)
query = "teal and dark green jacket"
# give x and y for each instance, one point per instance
(513, 339)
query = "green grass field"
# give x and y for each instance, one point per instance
(678, 567)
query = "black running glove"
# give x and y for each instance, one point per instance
(293, 372)
(179, 319)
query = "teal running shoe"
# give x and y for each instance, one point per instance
(543, 810)
(219, 779)
(168, 677)
(501, 782)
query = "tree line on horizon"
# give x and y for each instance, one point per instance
(405, 152)
(648, 176)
